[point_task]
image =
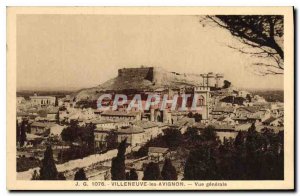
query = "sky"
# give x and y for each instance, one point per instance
(68, 52)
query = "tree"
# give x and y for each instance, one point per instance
(239, 140)
(248, 97)
(201, 164)
(172, 137)
(57, 118)
(56, 101)
(198, 117)
(111, 140)
(61, 176)
(87, 135)
(48, 169)
(81, 134)
(23, 132)
(227, 84)
(35, 175)
(18, 132)
(131, 175)
(28, 128)
(80, 175)
(168, 171)
(191, 134)
(209, 133)
(261, 37)
(152, 172)
(70, 133)
(118, 163)
(190, 115)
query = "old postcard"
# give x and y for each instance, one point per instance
(150, 98)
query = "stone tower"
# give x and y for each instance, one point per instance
(201, 94)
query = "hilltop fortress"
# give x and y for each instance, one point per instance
(160, 77)
(151, 79)
(147, 80)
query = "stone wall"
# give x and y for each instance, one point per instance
(160, 76)
(145, 72)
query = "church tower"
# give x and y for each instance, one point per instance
(201, 94)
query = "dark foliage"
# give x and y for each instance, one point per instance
(35, 175)
(261, 36)
(18, 132)
(61, 176)
(26, 163)
(152, 172)
(118, 163)
(56, 101)
(80, 175)
(196, 116)
(74, 152)
(57, 118)
(190, 115)
(48, 169)
(112, 140)
(233, 100)
(87, 104)
(172, 137)
(209, 134)
(23, 130)
(227, 84)
(168, 171)
(82, 135)
(251, 156)
(131, 175)
(270, 95)
(201, 164)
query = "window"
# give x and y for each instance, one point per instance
(201, 100)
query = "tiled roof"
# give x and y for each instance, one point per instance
(130, 130)
(216, 126)
(146, 124)
(243, 127)
(157, 150)
(100, 129)
(269, 120)
(118, 113)
(42, 97)
(276, 129)
(223, 109)
(42, 124)
(251, 109)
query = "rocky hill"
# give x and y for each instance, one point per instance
(142, 79)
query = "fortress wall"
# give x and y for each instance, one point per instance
(145, 72)
(160, 76)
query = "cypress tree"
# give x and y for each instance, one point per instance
(48, 169)
(118, 163)
(18, 132)
(56, 101)
(168, 171)
(23, 133)
(80, 175)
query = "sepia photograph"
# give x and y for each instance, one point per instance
(110, 98)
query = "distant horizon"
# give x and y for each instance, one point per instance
(74, 89)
